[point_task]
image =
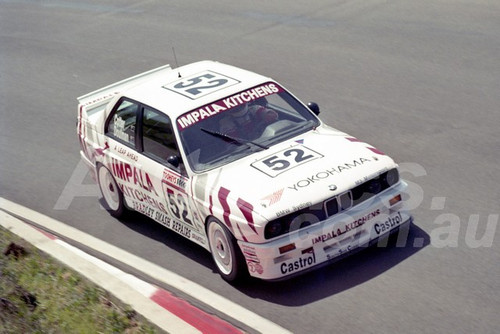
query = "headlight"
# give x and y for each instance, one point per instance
(374, 186)
(273, 229)
(391, 177)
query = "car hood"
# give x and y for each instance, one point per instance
(299, 172)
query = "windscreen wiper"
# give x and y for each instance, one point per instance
(232, 139)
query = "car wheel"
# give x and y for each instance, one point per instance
(113, 197)
(226, 253)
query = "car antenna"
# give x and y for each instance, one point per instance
(176, 64)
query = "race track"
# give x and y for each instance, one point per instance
(420, 80)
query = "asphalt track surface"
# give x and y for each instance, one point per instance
(420, 80)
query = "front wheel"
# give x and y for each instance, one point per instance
(110, 191)
(226, 253)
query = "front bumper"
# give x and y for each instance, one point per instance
(329, 240)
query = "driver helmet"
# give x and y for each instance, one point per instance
(240, 111)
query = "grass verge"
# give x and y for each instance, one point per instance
(40, 295)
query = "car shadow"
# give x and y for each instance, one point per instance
(155, 231)
(318, 284)
(342, 275)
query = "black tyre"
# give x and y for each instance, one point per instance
(113, 197)
(226, 253)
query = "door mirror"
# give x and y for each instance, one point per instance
(174, 160)
(314, 107)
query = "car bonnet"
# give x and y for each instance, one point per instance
(299, 172)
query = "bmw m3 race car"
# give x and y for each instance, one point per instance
(232, 161)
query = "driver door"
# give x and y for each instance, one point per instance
(162, 160)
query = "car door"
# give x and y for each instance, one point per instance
(122, 158)
(162, 160)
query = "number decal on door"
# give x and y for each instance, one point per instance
(201, 84)
(177, 206)
(285, 160)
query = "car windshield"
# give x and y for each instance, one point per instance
(239, 125)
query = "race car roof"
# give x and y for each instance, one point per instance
(191, 86)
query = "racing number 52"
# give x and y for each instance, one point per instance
(202, 82)
(292, 156)
(285, 160)
(176, 200)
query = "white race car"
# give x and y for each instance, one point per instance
(234, 162)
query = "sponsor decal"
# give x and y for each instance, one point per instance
(293, 209)
(333, 171)
(308, 259)
(282, 213)
(181, 229)
(132, 174)
(124, 152)
(301, 206)
(389, 224)
(253, 262)
(121, 129)
(269, 200)
(99, 99)
(175, 180)
(140, 196)
(341, 251)
(215, 108)
(371, 176)
(250, 253)
(254, 267)
(162, 218)
(159, 214)
(144, 209)
(336, 232)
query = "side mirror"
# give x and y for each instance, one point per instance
(314, 107)
(174, 160)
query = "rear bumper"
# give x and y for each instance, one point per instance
(330, 240)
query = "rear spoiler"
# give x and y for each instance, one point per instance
(103, 95)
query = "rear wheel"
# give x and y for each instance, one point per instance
(113, 197)
(225, 251)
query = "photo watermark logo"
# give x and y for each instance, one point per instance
(446, 229)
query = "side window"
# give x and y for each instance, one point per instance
(158, 139)
(121, 124)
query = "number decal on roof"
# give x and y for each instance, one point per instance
(201, 84)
